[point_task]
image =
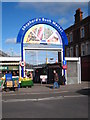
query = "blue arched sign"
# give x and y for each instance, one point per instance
(42, 31)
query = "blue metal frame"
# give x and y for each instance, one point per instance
(22, 58)
(36, 21)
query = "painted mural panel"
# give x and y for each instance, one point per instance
(42, 33)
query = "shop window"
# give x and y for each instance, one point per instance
(71, 52)
(83, 50)
(82, 32)
(77, 51)
(71, 37)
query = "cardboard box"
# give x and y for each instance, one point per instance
(9, 83)
(15, 83)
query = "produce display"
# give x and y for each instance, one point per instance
(14, 83)
(9, 82)
(26, 82)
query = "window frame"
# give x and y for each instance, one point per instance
(82, 33)
(71, 40)
(71, 53)
(83, 51)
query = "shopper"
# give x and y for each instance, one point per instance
(26, 74)
(30, 75)
(56, 79)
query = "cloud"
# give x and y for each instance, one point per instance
(52, 8)
(11, 40)
(45, 6)
(62, 21)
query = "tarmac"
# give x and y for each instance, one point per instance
(42, 101)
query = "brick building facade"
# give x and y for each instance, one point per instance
(79, 42)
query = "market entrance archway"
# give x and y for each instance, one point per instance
(42, 31)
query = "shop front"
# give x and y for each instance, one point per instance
(10, 65)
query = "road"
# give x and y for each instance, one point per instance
(70, 101)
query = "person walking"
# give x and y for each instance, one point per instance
(56, 79)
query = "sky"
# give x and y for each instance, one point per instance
(16, 14)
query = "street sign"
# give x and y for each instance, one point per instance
(64, 62)
(22, 63)
(64, 66)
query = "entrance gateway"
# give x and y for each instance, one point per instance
(42, 31)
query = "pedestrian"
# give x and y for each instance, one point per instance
(30, 75)
(56, 79)
(26, 74)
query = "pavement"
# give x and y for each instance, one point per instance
(42, 101)
(49, 87)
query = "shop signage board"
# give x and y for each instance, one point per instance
(3, 68)
(64, 66)
(22, 63)
(42, 30)
(9, 68)
(13, 68)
